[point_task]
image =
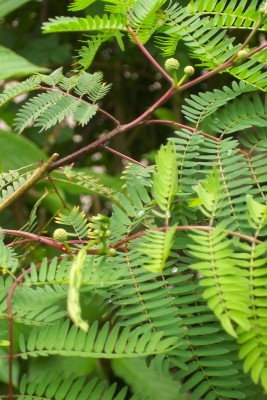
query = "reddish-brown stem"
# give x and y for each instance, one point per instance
(114, 132)
(148, 55)
(220, 68)
(36, 238)
(143, 117)
(174, 123)
(186, 228)
(109, 116)
(123, 156)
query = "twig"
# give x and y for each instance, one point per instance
(123, 156)
(35, 177)
(255, 29)
(117, 122)
(148, 55)
(35, 238)
(225, 65)
(114, 132)
(186, 228)
(174, 123)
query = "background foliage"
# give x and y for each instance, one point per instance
(133, 202)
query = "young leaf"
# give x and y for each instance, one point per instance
(75, 280)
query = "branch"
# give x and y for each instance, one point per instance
(256, 27)
(123, 156)
(35, 177)
(185, 228)
(174, 123)
(149, 56)
(225, 65)
(143, 117)
(117, 122)
(114, 132)
(36, 238)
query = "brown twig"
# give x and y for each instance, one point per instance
(34, 178)
(148, 55)
(186, 228)
(123, 156)
(111, 117)
(114, 132)
(35, 238)
(174, 123)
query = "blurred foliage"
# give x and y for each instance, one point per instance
(135, 81)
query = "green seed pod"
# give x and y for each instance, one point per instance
(171, 64)
(60, 235)
(189, 70)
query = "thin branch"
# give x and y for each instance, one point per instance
(225, 65)
(148, 55)
(174, 123)
(123, 156)
(52, 89)
(36, 238)
(256, 27)
(143, 117)
(114, 132)
(34, 178)
(109, 116)
(185, 228)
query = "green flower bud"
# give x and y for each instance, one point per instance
(189, 70)
(242, 55)
(171, 64)
(60, 235)
(263, 11)
(112, 252)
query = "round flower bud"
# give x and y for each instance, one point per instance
(60, 235)
(263, 11)
(112, 252)
(242, 55)
(171, 64)
(189, 70)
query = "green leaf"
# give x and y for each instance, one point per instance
(146, 380)
(157, 246)
(74, 307)
(165, 178)
(7, 6)
(13, 145)
(14, 65)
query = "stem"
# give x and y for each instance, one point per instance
(174, 123)
(114, 132)
(220, 68)
(124, 128)
(36, 238)
(117, 122)
(148, 55)
(35, 177)
(123, 156)
(185, 228)
(255, 29)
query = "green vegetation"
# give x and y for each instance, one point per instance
(133, 204)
